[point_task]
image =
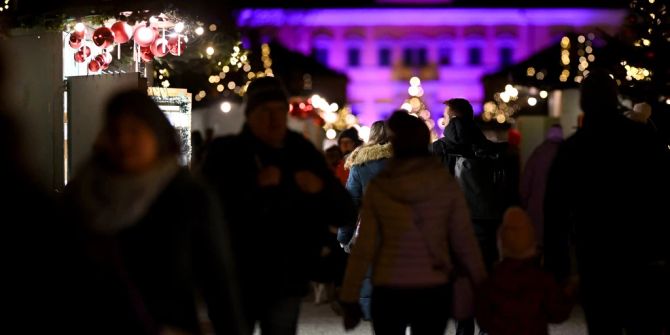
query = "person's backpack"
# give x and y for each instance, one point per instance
(484, 177)
(482, 180)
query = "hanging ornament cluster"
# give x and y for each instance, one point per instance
(150, 41)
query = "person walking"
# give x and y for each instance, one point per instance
(534, 178)
(485, 173)
(519, 298)
(279, 197)
(414, 227)
(348, 141)
(152, 228)
(364, 164)
(607, 194)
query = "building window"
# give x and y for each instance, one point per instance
(321, 55)
(445, 55)
(407, 57)
(422, 56)
(354, 57)
(385, 57)
(417, 57)
(506, 56)
(475, 56)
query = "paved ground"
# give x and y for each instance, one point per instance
(320, 320)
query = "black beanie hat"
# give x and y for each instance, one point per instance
(351, 133)
(264, 90)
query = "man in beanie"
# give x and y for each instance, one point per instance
(518, 297)
(274, 187)
(347, 142)
(607, 195)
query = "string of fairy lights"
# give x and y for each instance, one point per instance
(576, 57)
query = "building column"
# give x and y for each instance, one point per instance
(369, 49)
(460, 50)
(490, 51)
(524, 44)
(337, 52)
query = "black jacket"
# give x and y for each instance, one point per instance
(463, 138)
(607, 193)
(149, 274)
(276, 231)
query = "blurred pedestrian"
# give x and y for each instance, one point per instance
(607, 194)
(365, 163)
(279, 197)
(414, 227)
(151, 227)
(488, 177)
(348, 141)
(333, 157)
(534, 179)
(519, 297)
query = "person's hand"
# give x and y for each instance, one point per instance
(352, 315)
(308, 182)
(269, 176)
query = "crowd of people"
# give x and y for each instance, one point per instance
(409, 233)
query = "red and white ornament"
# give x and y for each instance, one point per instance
(177, 44)
(144, 36)
(79, 31)
(79, 57)
(75, 42)
(103, 37)
(146, 54)
(94, 66)
(122, 32)
(104, 60)
(160, 47)
(86, 51)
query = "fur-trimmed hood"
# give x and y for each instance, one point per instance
(368, 153)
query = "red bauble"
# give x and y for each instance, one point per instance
(75, 42)
(79, 34)
(144, 36)
(122, 32)
(160, 47)
(86, 50)
(108, 58)
(146, 55)
(103, 37)
(103, 60)
(177, 45)
(79, 57)
(94, 66)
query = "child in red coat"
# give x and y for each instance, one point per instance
(519, 298)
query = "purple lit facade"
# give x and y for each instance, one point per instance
(380, 49)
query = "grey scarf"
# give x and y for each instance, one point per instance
(112, 202)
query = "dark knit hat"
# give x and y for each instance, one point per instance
(410, 136)
(351, 133)
(264, 90)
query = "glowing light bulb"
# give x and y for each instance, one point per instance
(226, 107)
(79, 27)
(179, 27)
(199, 31)
(532, 101)
(544, 94)
(210, 51)
(331, 134)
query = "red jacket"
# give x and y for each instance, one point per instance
(342, 173)
(519, 298)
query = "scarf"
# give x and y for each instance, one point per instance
(111, 202)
